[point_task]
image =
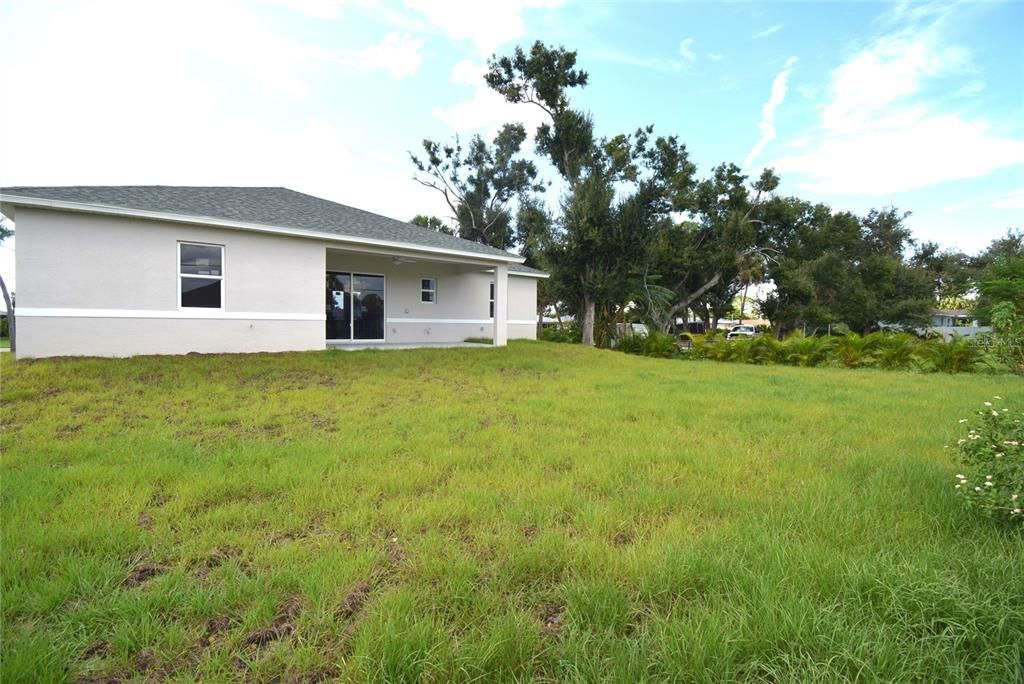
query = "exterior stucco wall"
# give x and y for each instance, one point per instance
(118, 270)
(69, 336)
(108, 286)
(84, 261)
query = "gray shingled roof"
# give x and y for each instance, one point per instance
(519, 268)
(277, 207)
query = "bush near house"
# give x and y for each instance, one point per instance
(992, 452)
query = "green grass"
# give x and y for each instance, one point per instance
(539, 512)
(5, 343)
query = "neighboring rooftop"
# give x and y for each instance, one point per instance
(271, 207)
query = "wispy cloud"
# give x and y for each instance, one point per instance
(880, 133)
(488, 24)
(715, 57)
(769, 31)
(959, 206)
(1011, 200)
(970, 89)
(398, 54)
(767, 124)
(610, 54)
(686, 50)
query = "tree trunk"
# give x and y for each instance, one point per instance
(10, 315)
(588, 321)
(743, 301)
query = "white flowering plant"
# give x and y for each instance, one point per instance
(992, 456)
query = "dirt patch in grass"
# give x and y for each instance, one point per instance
(623, 538)
(98, 679)
(218, 558)
(396, 554)
(323, 674)
(145, 520)
(354, 601)
(141, 574)
(67, 431)
(214, 626)
(283, 625)
(158, 498)
(552, 618)
(97, 649)
(146, 660)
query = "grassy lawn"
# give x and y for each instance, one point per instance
(541, 512)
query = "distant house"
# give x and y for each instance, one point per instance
(124, 270)
(952, 323)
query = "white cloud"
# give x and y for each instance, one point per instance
(398, 54)
(769, 31)
(610, 54)
(318, 9)
(1011, 200)
(880, 135)
(890, 69)
(487, 24)
(959, 206)
(686, 50)
(767, 124)
(715, 57)
(970, 89)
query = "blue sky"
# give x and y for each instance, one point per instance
(919, 105)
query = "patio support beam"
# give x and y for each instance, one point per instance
(500, 305)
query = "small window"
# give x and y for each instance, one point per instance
(200, 276)
(492, 300)
(428, 290)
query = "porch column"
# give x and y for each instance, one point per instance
(501, 305)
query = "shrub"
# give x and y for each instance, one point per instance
(654, 343)
(800, 350)
(631, 344)
(853, 351)
(992, 454)
(959, 355)
(764, 349)
(569, 334)
(657, 343)
(897, 352)
(1008, 337)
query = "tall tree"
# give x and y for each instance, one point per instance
(533, 236)
(479, 182)
(617, 188)
(838, 267)
(701, 259)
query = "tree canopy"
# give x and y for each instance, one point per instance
(639, 232)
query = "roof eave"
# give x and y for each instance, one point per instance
(109, 210)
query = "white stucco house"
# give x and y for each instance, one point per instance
(125, 270)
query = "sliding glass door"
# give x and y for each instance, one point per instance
(355, 306)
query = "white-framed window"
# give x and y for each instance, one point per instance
(491, 315)
(428, 290)
(200, 276)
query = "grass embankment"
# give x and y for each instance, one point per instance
(540, 512)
